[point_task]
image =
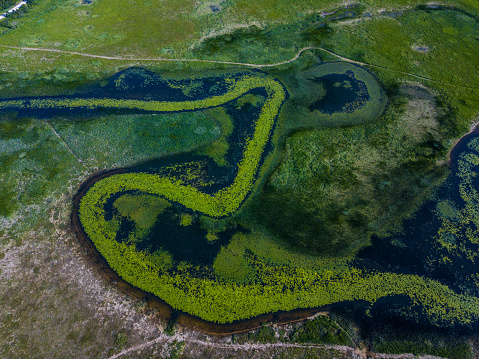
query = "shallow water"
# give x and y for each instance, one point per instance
(417, 250)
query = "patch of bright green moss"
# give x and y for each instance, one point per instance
(142, 209)
(186, 220)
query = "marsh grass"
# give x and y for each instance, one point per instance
(321, 330)
(123, 140)
(343, 184)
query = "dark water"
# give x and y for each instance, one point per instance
(133, 83)
(189, 243)
(185, 243)
(222, 176)
(344, 93)
(422, 49)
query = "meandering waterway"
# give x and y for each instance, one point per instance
(175, 275)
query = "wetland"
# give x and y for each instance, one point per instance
(226, 199)
(188, 253)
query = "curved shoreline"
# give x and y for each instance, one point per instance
(208, 324)
(473, 130)
(166, 312)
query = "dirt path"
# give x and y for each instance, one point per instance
(120, 58)
(248, 346)
(163, 340)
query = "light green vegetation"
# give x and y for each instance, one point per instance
(267, 249)
(186, 220)
(222, 203)
(232, 265)
(360, 180)
(34, 161)
(236, 90)
(457, 238)
(264, 277)
(322, 330)
(142, 210)
(369, 103)
(283, 288)
(137, 207)
(217, 149)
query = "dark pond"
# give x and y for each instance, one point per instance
(133, 83)
(344, 93)
(222, 176)
(215, 8)
(421, 49)
(185, 243)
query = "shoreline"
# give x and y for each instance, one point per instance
(168, 313)
(473, 128)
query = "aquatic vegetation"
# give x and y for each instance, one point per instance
(250, 279)
(142, 210)
(341, 185)
(331, 95)
(281, 288)
(37, 170)
(391, 173)
(457, 237)
(224, 201)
